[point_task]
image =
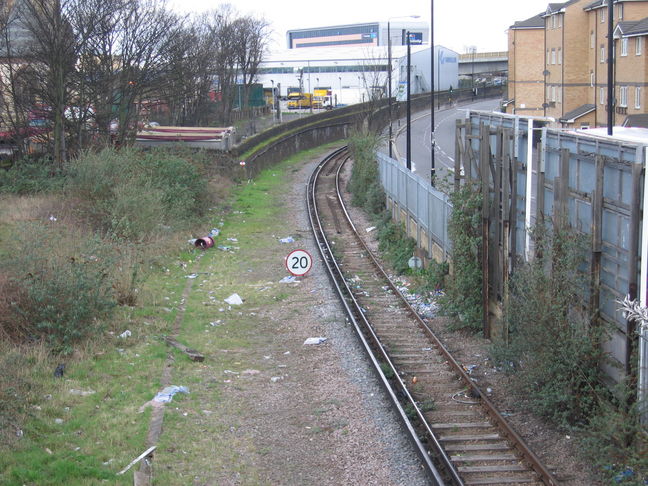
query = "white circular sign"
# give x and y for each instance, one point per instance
(299, 262)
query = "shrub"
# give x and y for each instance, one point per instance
(394, 242)
(65, 285)
(462, 298)
(615, 441)
(555, 351)
(28, 176)
(434, 276)
(132, 194)
(364, 184)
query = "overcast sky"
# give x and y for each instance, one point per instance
(458, 23)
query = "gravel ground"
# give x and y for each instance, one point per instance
(398, 460)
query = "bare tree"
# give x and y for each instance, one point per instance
(16, 88)
(51, 53)
(126, 61)
(251, 44)
(190, 74)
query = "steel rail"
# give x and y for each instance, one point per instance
(354, 311)
(517, 441)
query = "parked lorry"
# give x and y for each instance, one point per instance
(298, 101)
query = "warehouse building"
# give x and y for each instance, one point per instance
(366, 35)
(354, 73)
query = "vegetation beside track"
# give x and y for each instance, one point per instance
(87, 253)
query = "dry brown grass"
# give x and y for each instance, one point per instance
(12, 327)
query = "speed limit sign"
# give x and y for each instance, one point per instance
(299, 262)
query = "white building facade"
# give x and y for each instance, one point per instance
(354, 74)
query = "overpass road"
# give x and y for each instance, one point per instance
(444, 131)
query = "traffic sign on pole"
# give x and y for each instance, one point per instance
(299, 262)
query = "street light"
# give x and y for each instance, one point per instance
(409, 104)
(389, 73)
(432, 140)
(337, 101)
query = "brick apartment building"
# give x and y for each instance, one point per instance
(558, 63)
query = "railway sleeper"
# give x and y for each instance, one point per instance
(484, 458)
(495, 481)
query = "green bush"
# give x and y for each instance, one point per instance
(433, 277)
(364, 184)
(395, 244)
(67, 290)
(28, 176)
(614, 439)
(132, 194)
(463, 299)
(553, 348)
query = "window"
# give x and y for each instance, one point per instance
(638, 45)
(638, 98)
(592, 40)
(559, 95)
(591, 79)
(559, 55)
(623, 96)
(602, 15)
(553, 94)
(602, 96)
(553, 55)
(624, 46)
(548, 57)
(554, 21)
(602, 54)
(560, 20)
(620, 10)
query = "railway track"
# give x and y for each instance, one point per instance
(459, 435)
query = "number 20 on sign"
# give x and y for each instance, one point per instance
(299, 262)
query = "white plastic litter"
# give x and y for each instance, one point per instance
(166, 395)
(234, 299)
(125, 334)
(314, 340)
(289, 279)
(289, 239)
(369, 230)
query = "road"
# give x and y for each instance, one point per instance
(444, 131)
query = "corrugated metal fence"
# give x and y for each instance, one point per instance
(531, 174)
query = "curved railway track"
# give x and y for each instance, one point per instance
(459, 435)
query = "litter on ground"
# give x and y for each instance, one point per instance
(314, 340)
(234, 299)
(166, 395)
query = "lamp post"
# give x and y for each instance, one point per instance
(389, 75)
(432, 140)
(409, 105)
(340, 96)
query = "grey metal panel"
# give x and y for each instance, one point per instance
(429, 207)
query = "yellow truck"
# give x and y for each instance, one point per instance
(298, 101)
